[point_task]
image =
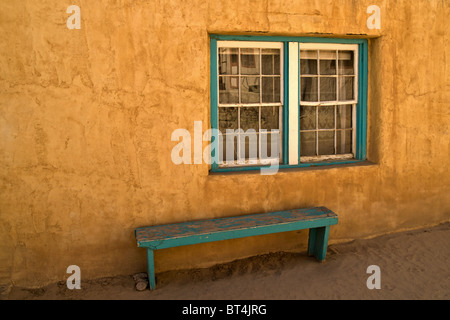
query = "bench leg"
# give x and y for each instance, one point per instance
(151, 269)
(318, 242)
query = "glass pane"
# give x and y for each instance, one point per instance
(249, 118)
(228, 147)
(228, 61)
(344, 116)
(344, 141)
(326, 117)
(327, 89)
(308, 89)
(249, 61)
(249, 89)
(228, 119)
(307, 118)
(270, 61)
(271, 89)
(308, 62)
(249, 146)
(270, 145)
(326, 142)
(346, 62)
(308, 143)
(327, 62)
(346, 88)
(228, 89)
(270, 119)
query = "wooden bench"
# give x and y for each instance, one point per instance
(318, 220)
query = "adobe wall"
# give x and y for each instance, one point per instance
(86, 118)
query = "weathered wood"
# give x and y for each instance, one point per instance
(140, 276)
(151, 269)
(141, 281)
(172, 235)
(317, 219)
(318, 242)
(141, 285)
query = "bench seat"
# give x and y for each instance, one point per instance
(317, 219)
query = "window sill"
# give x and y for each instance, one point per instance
(283, 168)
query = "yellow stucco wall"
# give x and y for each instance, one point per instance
(86, 118)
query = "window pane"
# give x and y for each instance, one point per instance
(327, 89)
(249, 146)
(249, 89)
(327, 62)
(270, 61)
(249, 61)
(308, 62)
(346, 62)
(270, 119)
(228, 61)
(326, 117)
(228, 119)
(271, 89)
(307, 118)
(308, 89)
(270, 145)
(249, 118)
(308, 143)
(228, 147)
(344, 141)
(228, 89)
(344, 116)
(253, 76)
(346, 88)
(326, 142)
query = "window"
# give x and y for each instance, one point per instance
(294, 101)
(250, 107)
(328, 99)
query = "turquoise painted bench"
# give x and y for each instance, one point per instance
(318, 220)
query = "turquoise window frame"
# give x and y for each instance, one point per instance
(361, 108)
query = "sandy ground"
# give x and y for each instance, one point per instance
(413, 265)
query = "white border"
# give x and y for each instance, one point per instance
(293, 102)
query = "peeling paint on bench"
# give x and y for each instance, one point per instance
(316, 219)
